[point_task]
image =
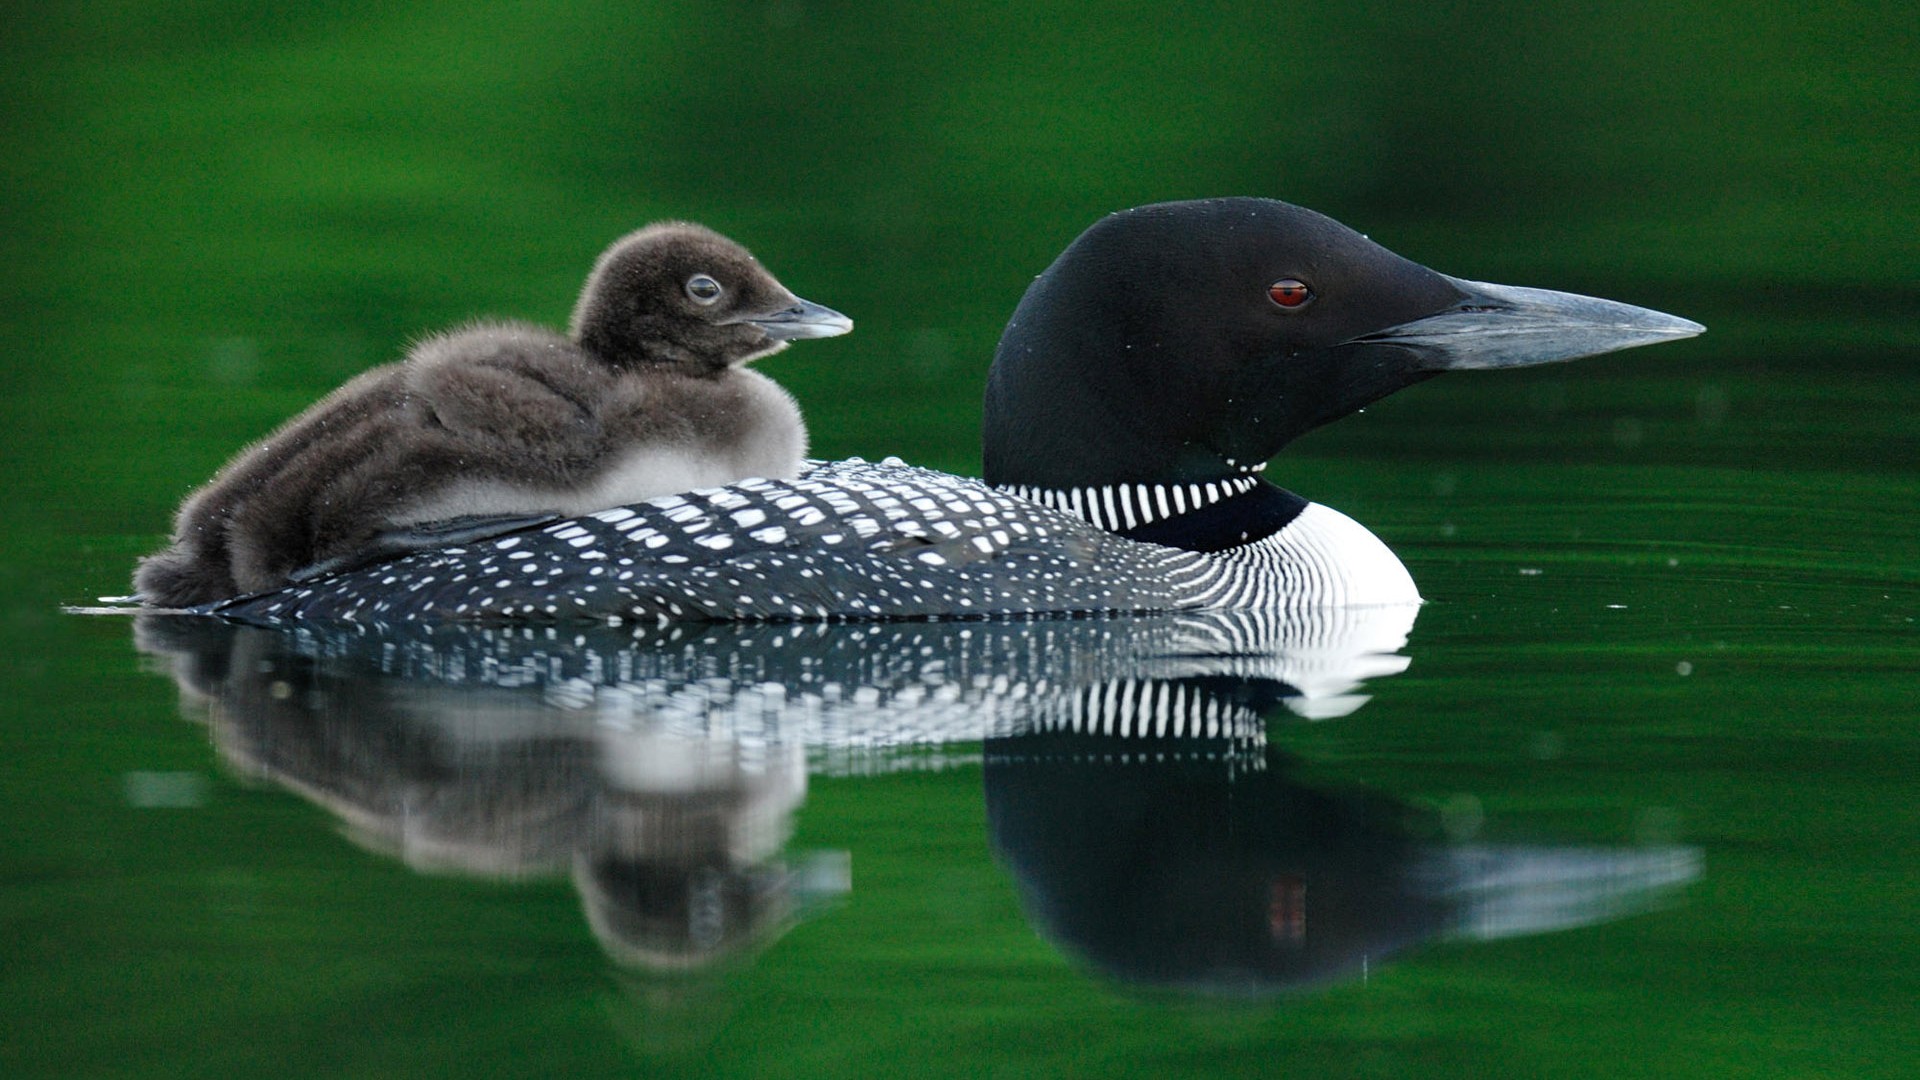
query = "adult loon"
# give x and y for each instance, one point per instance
(1141, 384)
(497, 424)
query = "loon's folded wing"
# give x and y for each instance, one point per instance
(845, 541)
(422, 536)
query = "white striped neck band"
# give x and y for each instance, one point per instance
(1119, 507)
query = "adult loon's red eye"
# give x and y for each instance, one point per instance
(1290, 292)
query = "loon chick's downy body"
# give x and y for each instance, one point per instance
(498, 424)
(1142, 383)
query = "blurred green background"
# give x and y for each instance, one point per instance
(213, 212)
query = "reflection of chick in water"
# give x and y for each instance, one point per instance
(475, 780)
(675, 843)
(680, 865)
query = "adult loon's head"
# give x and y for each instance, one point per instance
(1187, 342)
(679, 293)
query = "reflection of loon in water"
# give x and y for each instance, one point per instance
(663, 765)
(1203, 865)
(673, 844)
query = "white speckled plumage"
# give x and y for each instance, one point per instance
(846, 540)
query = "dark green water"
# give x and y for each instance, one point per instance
(1674, 591)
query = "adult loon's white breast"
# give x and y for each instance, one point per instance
(1139, 389)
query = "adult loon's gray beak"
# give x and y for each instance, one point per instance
(805, 319)
(1499, 326)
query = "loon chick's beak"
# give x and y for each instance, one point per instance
(805, 319)
(1503, 326)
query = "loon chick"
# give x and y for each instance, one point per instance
(1141, 384)
(503, 424)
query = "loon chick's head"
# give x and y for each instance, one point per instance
(679, 293)
(1189, 341)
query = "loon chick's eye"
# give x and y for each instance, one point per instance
(1290, 293)
(703, 289)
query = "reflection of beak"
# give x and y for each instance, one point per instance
(805, 319)
(1498, 326)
